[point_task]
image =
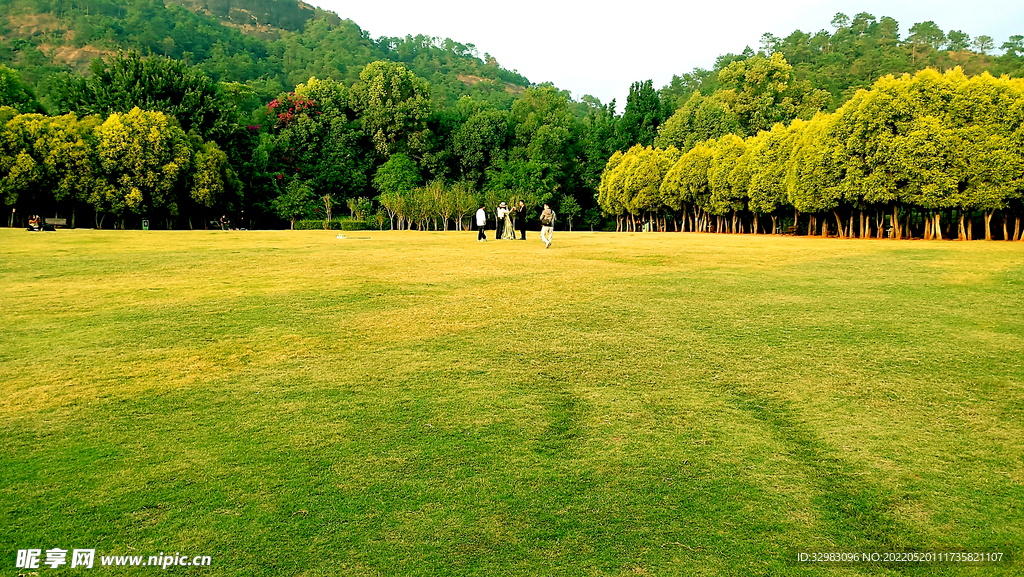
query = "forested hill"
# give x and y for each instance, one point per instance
(257, 15)
(273, 45)
(860, 50)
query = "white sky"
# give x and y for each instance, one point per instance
(600, 47)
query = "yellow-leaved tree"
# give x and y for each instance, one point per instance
(145, 158)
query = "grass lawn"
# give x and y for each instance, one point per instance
(422, 404)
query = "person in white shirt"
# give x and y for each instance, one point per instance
(481, 222)
(500, 225)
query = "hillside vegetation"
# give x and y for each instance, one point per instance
(273, 46)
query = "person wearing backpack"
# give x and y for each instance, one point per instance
(547, 225)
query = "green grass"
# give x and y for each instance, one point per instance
(422, 404)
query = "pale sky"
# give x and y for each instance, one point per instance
(600, 48)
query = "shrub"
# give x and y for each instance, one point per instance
(352, 224)
(336, 224)
(310, 224)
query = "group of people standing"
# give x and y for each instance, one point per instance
(510, 220)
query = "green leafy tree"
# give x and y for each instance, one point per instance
(726, 197)
(768, 159)
(296, 201)
(399, 174)
(763, 91)
(317, 136)
(568, 209)
(609, 197)
(153, 83)
(700, 118)
(925, 34)
(466, 202)
(643, 115)
(213, 180)
(814, 178)
(982, 44)
(393, 105)
(47, 161)
(15, 93)
(958, 40)
(1014, 45)
(144, 157)
(478, 140)
(687, 183)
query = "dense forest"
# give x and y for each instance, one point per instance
(276, 112)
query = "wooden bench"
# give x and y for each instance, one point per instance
(61, 222)
(792, 230)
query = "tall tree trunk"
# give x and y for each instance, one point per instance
(839, 224)
(811, 225)
(988, 224)
(927, 235)
(896, 233)
(862, 224)
(1016, 229)
(1006, 235)
(774, 220)
(937, 228)
(755, 224)
(961, 232)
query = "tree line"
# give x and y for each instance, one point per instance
(138, 162)
(337, 127)
(323, 143)
(927, 155)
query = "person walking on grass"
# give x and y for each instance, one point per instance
(521, 220)
(481, 222)
(547, 225)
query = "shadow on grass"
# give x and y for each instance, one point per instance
(565, 414)
(855, 511)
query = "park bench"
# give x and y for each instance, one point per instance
(792, 230)
(61, 222)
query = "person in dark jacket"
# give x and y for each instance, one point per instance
(521, 220)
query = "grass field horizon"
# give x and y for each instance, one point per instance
(418, 403)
